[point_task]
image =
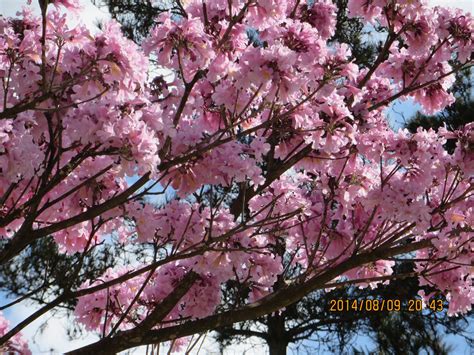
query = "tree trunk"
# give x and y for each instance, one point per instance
(277, 338)
(277, 346)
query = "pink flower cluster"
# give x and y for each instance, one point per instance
(17, 344)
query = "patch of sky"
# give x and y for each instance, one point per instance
(89, 15)
(400, 112)
(156, 193)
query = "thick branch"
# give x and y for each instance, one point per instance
(282, 298)
(123, 340)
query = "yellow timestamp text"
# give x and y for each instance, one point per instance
(383, 305)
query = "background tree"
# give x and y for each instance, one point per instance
(137, 17)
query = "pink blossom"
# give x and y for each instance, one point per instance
(17, 344)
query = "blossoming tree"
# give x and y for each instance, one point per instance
(277, 147)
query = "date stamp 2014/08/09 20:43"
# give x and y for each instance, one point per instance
(385, 305)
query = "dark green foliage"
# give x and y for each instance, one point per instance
(137, 16)
(42, 268)
(352, 31)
